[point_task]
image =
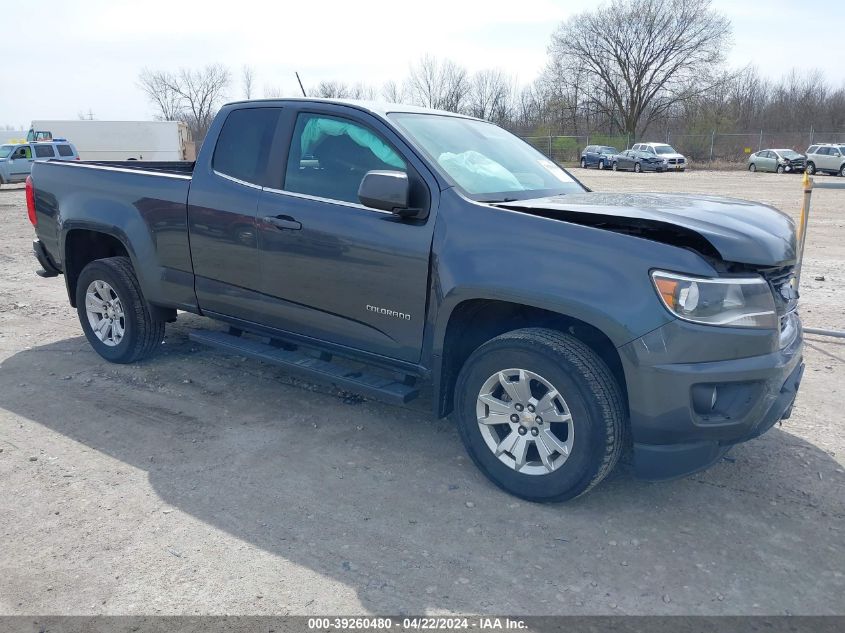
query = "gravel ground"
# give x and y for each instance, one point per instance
(198, 483)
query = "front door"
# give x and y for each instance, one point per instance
(21, 161)
(336, 270)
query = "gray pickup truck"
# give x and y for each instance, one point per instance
(381, 248)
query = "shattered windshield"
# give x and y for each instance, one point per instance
(486, 162)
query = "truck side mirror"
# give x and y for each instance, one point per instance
(386, 190)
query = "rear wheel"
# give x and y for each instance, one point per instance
(540, 414)
(601, 164)
(637, 168)
(113, 312)
(752, 167)
(810, 169)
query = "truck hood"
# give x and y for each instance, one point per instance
(723, 228)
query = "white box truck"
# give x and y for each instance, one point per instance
(121, 140)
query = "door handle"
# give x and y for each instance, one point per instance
(284, 222)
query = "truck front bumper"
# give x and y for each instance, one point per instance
(686, 416)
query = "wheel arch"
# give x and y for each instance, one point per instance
(473, 322)
(81, 246)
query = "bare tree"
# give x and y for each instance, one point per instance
(158, 87)
(332, 90)
(392, 92)
(273, 92)
(192, 96)
(435, 84)
(247, 79)
(644, 56)
(489, 95)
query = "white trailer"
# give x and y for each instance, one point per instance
(124, 140)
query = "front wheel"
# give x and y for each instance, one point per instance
(810, 169)
(113, 311)
(752, 168)
(583, 163)
(601, 164)
(615, 166)
(637, 168)
(842, 171)
(780, 169)
(540, 414)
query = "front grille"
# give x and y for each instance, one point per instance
(782, 283)
(676, 161)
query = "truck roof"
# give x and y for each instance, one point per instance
(379, 108)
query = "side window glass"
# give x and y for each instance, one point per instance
(243, 146)
(64, 150)
(44, 151)
(329, 157)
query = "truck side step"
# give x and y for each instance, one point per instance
(297, 362)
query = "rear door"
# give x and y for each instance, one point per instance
(823, 158)
(332, 268)
(222, 204)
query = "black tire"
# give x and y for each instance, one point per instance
(601, 164)
(583, 163)
(583, 380)
(615, 166)
(780, 169)
(143, 334)
(637, 168)
(842, 171)
(752, 168)
(810, 169)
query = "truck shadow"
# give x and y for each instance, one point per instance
(383, 500)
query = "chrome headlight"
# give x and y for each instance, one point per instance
(731, 302)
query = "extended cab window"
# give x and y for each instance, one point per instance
(44, 151)
(329, 157)
(64, 150)
(243, 146)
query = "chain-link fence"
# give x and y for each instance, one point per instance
(714, 146)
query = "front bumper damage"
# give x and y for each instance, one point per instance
(686, 415)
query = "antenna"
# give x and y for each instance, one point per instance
(300, 84)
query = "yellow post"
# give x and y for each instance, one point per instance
(802, 226)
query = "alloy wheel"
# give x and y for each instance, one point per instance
(105, 313)
(525, 421)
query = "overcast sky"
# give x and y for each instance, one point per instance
(62, 58)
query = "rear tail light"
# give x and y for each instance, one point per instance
(30, 201)
(77, 158)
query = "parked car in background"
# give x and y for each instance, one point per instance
(674, 160)
(777, 160)
(638, 160)
(16, 158)
(600, 156)
(826, 158)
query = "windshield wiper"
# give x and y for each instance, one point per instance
(498, 200)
